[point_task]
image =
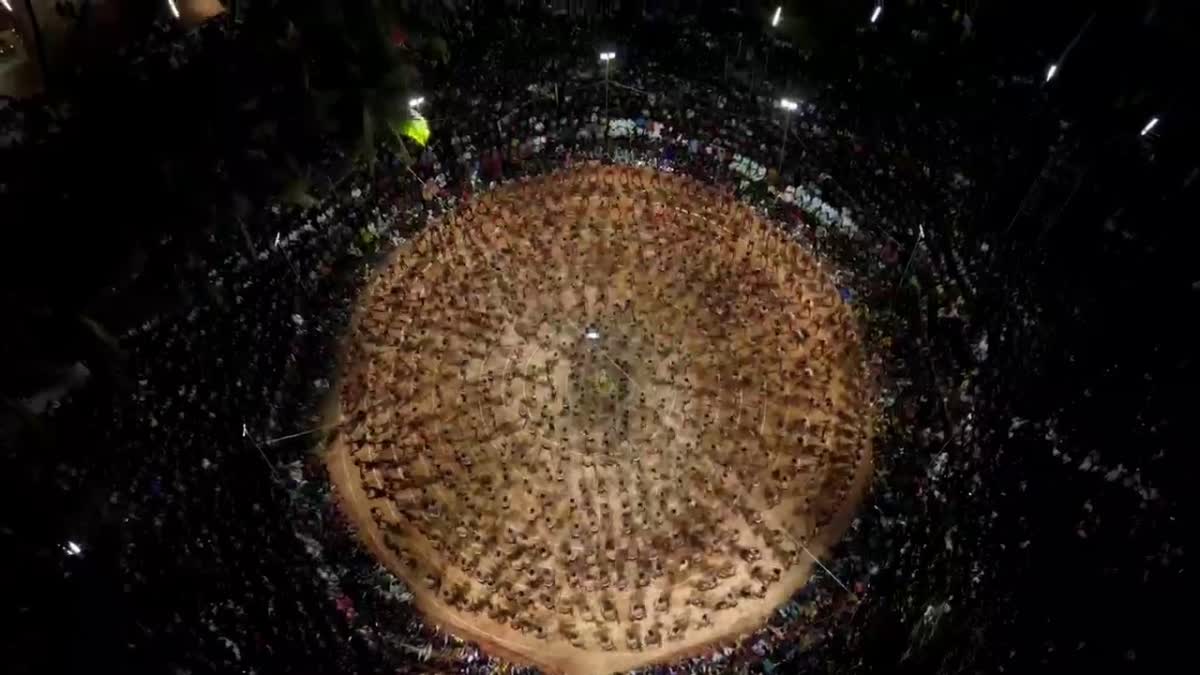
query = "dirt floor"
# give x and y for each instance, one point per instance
(600, 419)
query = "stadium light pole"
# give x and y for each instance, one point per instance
(789, 106)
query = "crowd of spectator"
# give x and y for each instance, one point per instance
(206, 527)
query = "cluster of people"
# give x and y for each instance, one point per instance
(231, 553)
(603, 408)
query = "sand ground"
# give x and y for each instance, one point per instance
(600, 419)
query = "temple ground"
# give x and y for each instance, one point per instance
(601, 419)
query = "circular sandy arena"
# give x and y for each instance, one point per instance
(602, 418)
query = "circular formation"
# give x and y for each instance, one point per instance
(593, 429)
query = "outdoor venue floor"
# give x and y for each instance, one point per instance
(602, 418)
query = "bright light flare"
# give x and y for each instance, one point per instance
(875, 14)
(1150, 125)
(174, 8)
(592, 334)
(416, 102)
(607, 56)
(6, 5)
(788, 104)
(778, 15)
(1051, 71)
(72, 548)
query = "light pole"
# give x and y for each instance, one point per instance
(912, 254)
(1054, 66)
(1149, 126)
(607, 58)
(789, 106)
(737, 57)
(775, 19)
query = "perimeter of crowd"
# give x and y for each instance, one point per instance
(233, 554)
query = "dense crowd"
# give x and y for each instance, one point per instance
(214, 541)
